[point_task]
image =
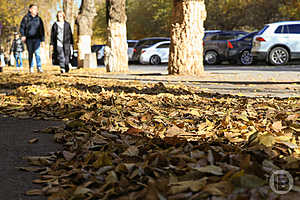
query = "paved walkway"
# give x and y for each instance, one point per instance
(14, 145)
(244, 81)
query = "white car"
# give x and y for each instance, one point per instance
(277, 43)
(155, 54)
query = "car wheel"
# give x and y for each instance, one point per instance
(211, 58)
(154, 60)
(279, 56)
(246, 58)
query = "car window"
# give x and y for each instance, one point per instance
(263, 30)
(211, 37)
(294, 28)
(279, 29)
(249, 38)
(239, 35)
(163, 46)
(131, 44)
(226, 36)
(150, 42)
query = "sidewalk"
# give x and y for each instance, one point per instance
(237, 82)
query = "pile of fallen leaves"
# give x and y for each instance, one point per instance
(130, 140)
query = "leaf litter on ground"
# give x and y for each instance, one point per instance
(132, 140)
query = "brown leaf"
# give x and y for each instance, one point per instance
(212, 169)
(293, 117)
(267, 140)
(131, 151)
(34, 192)
(277, 126)
(134, 131)
(31, 169)
(34, 140)
(68, 155)
(174, 131)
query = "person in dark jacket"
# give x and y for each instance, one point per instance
(61, 41)
(33, 33)
(17, 48)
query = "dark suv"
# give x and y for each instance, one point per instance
(215, 45)
(146, 42)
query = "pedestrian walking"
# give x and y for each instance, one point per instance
(33, 34)
(61, 44)
(2, 60)
(17, 48)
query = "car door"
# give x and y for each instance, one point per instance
(294, 39)
(221, 43)
(281, 36)
(163, 51)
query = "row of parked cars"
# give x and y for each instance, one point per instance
(277, 44)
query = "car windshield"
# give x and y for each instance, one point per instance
(263, 30)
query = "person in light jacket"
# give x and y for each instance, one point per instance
(61, 43)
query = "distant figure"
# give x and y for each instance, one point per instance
(17, 48)
(61, 42)
(32, 31)
(2, 61)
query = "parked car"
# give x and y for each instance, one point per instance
(131, 45)
(99, 49)
(215, 45)
(277, 43)
(239, 50)
(155, 54)
(144, 43)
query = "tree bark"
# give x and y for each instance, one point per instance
(116, 58)
(70, 10)
(186, 51)
(85, 31)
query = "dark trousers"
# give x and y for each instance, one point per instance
(33, 47)
(63, 60)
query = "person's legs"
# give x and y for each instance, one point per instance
(21, 60)
(67, 61)
(30, 48)
(37, 51)
(17, 60)
(61, 59)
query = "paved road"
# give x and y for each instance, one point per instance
(14, 137)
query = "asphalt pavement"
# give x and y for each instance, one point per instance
(15, 135)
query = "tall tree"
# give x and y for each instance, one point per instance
(85, 31)
(116, 58)
(186, 37)
(71, 11)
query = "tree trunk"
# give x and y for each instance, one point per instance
(116, 58)
(186, 51)
(85, 25)
(70, 10)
